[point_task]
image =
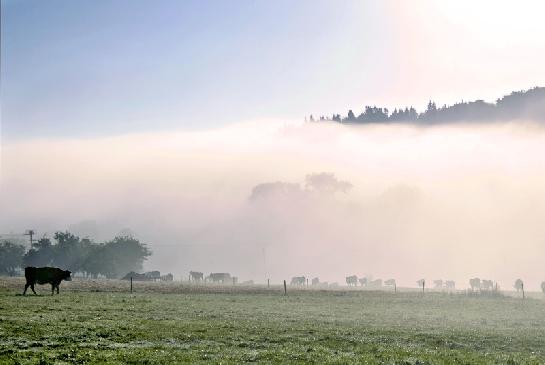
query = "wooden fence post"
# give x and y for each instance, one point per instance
(268, 283)
(285, 288)
(522, 286)
(131, 284)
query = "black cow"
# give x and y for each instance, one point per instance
(45, 275)
(137, 277)
(195, 276)
(219, 277)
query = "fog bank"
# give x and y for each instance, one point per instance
(279, 199)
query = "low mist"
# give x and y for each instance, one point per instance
(272, 199)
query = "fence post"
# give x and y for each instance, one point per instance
(131, 284)
(522, 286)
(285, 289)
(268, 283)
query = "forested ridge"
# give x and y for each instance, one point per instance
(519, 105)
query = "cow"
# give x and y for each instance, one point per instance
(475, 284)
(315, 281)
(219, 277)
(153, 275)
(45, 275)
(195, 276)
(438, 284)
(352, 280)
(375, 283)
(136, 277)
(167, 277)
(298, 280)
(487, 284)
(391, 282)
(363, 281)
(450, 285)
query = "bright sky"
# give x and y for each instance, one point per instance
(87, 68)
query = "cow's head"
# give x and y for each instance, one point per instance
(67, 276)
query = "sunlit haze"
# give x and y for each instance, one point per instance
(186, 124)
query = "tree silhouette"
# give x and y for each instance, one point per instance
(40, 254)
(112, 259)
(11, 257)
(526, 105)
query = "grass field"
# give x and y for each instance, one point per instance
(99, 322)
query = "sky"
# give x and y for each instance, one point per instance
(87, 68)
(164, 118)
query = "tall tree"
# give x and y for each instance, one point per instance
(11, 257)
(350, 117)
(40, 254)
(68, 252)
(127, 254)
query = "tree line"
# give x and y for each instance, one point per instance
(111, 259)
(524, 105)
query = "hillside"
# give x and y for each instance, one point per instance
(519, 105)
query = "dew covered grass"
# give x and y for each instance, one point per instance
(100, 322)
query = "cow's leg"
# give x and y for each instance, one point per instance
(32, 287)
(57, 288)
(26, 287)
(52, 289)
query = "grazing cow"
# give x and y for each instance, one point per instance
(475, 284)
(487, 284)
(298, 280)
(136, 277)
(391, 282)
(375, 283)
(543, 287)
(450, 285)
(167, 277)
(219, 277)
(195, 276)
(352, 280)
(315, 281)
(438, 284)
(363, 281)
(45, 275)
(153, 275)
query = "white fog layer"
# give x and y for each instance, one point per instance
(272, 199)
